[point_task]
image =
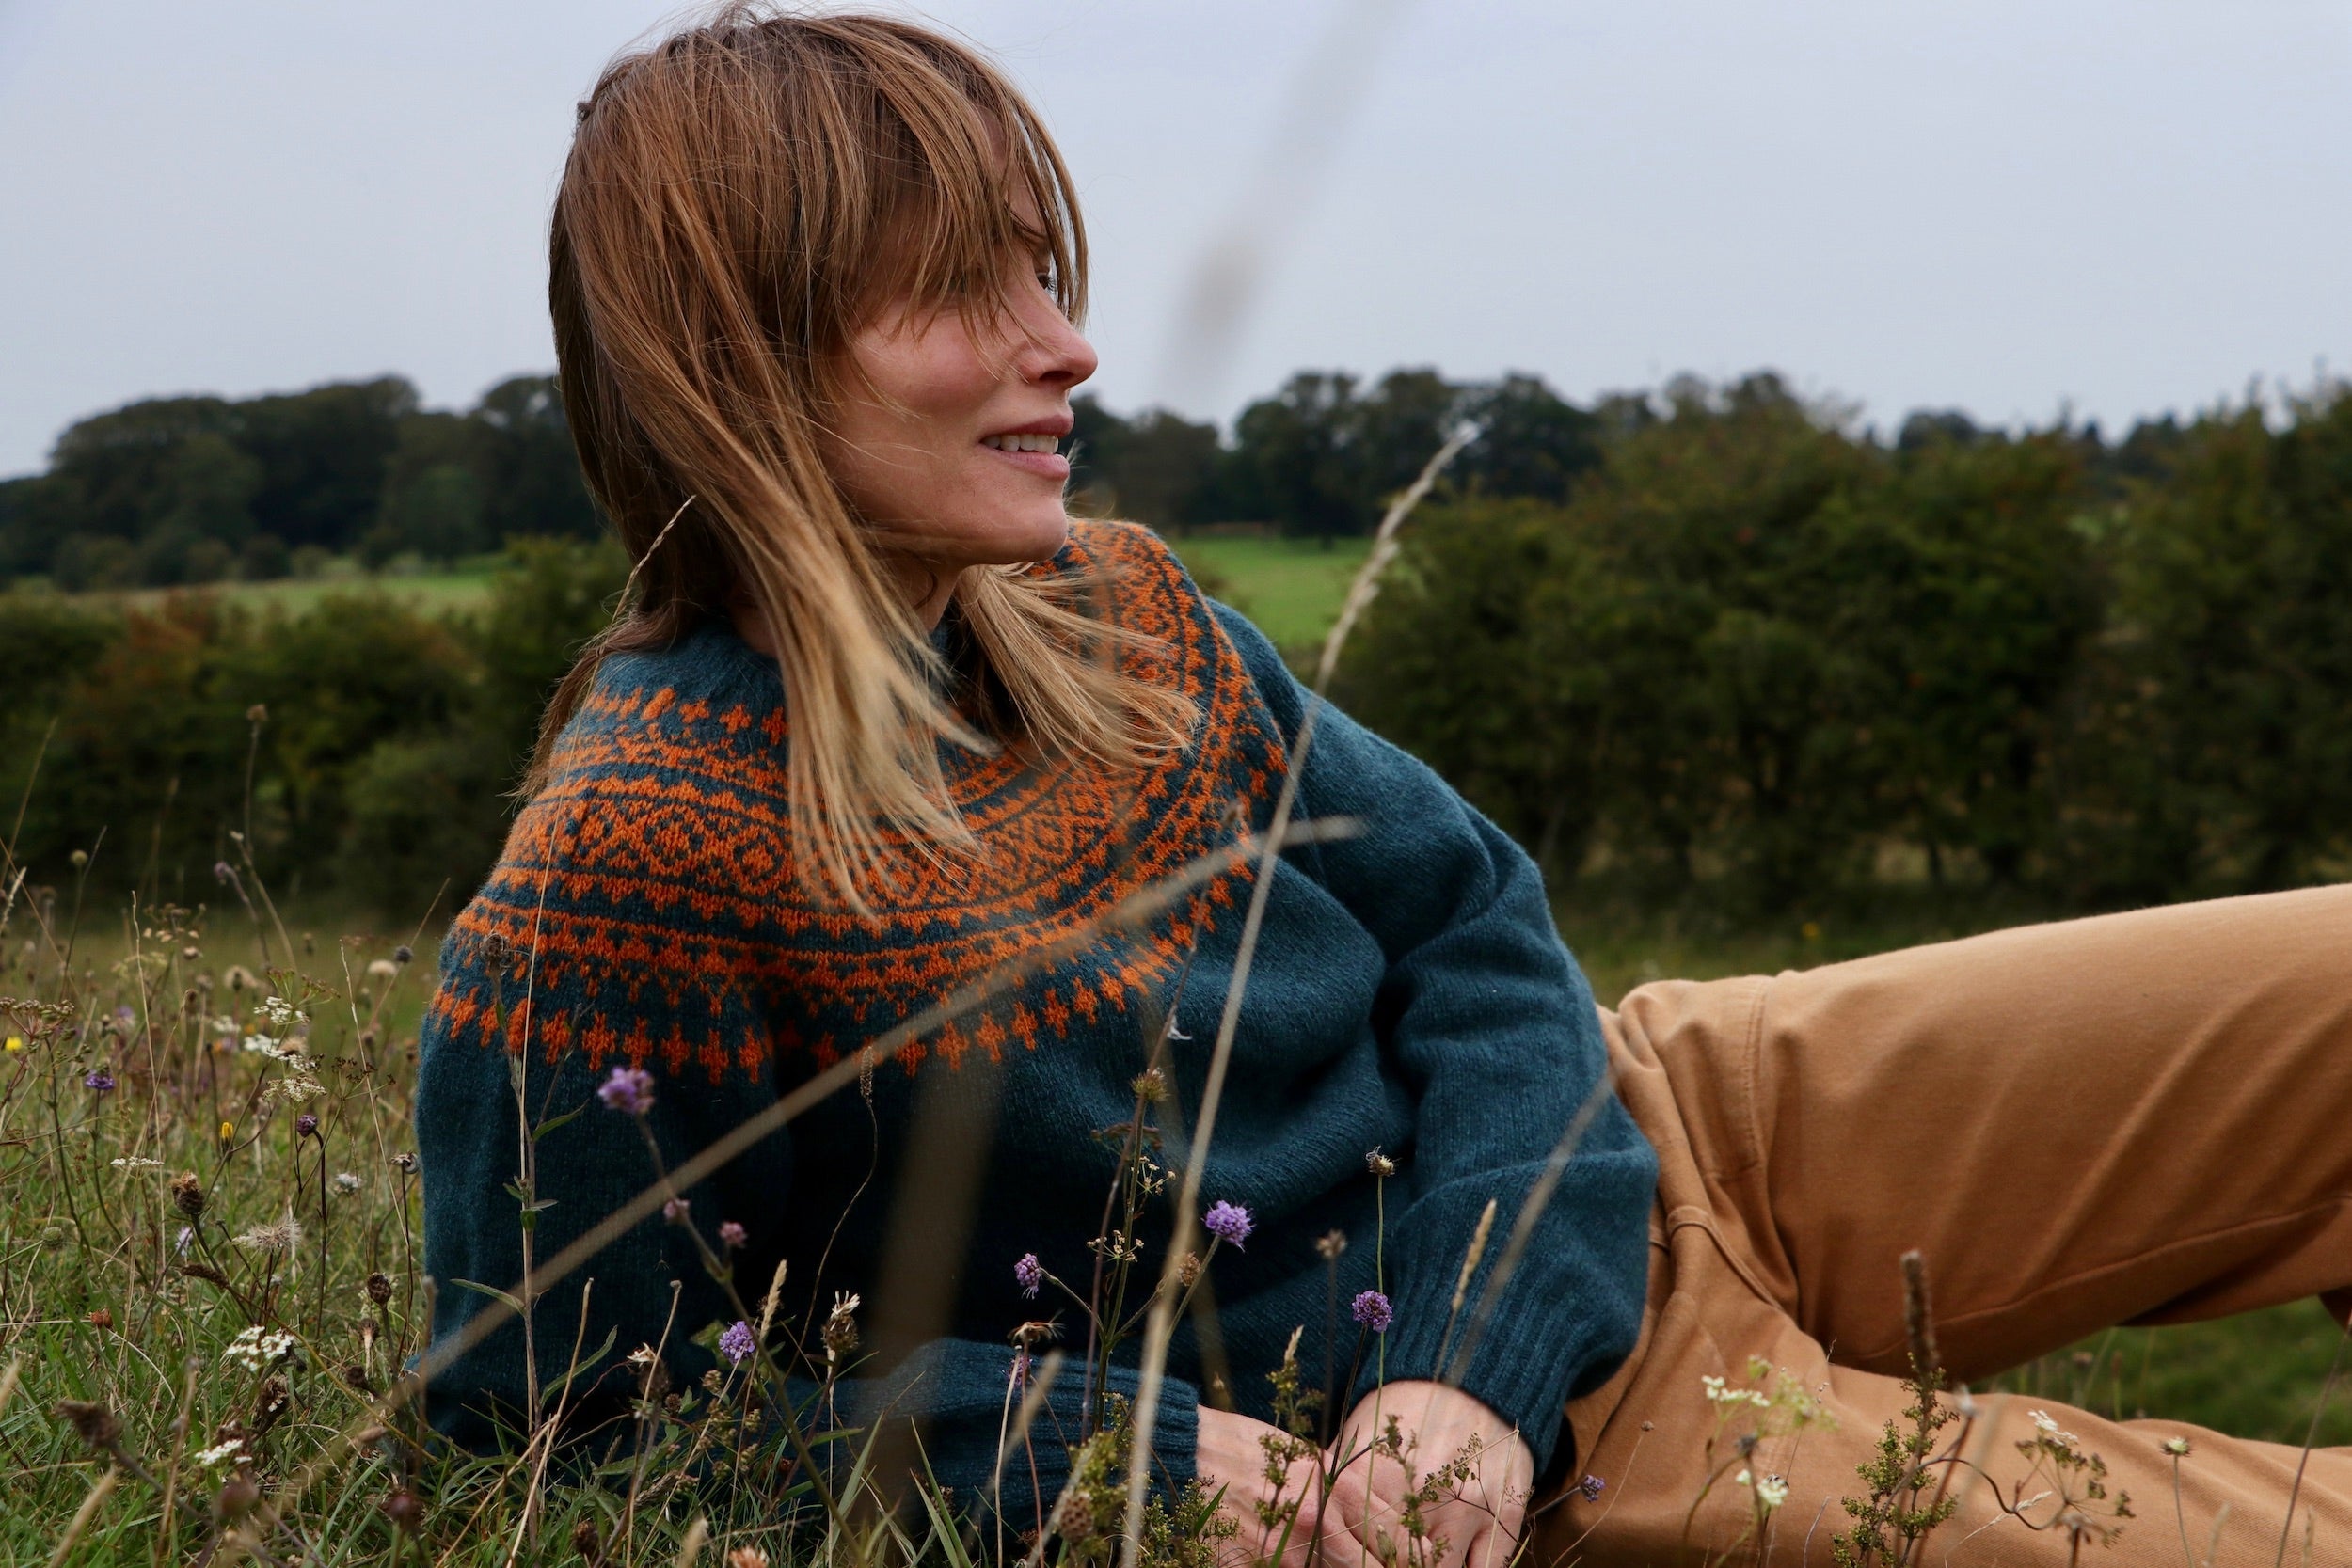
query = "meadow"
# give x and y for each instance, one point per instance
(209, 1232)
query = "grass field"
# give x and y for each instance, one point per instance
(455, 590)
(1291, 588)
(97, 1304)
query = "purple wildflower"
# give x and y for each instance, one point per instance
(731, 1234)
(1030, 1273)
(1228, 1222)
(306, 1126)
(737, 1343)
(629, 1089)
(1591, 1486)
(101, 1081)
(1372, 1311)
(674, 1210)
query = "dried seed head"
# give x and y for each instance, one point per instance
(1927, 1364)
(91, 1422)
(379, 1288)
(1189, 1271)
(404, 1508)
(256, 714)
(402, 954)
(238, 1495)
(102, 1317)
(840, 1331)
(1150, 1086)
(270, 1403)
(586, 1542)
(747, 1556)
(187, 1195)
(1379, 1163)
(356, 1376)
(1074, 1519)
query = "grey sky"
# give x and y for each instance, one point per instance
(2005, 205)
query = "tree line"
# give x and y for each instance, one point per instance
(1712, 640)
(1757, 652)
(185, 490)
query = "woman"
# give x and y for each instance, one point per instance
(880, 721)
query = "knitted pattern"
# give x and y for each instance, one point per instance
(647, 908)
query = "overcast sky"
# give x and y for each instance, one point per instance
(2006, 206)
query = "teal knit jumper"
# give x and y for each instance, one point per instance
(1409, 994)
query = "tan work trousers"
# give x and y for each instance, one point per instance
(2140, 1118)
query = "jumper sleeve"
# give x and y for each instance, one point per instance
(650, 1286)
(1491, 1025)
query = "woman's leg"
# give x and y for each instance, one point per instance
(2139, 1118)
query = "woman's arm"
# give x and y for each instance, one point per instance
(1489, 1023)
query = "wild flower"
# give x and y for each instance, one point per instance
(675, 1208)
(383, 969)
(629, 1089)
(731, 1234)
(747, 1556)
(136, 1162)
(282, 1013)
(257, 1348)
(180, 1242)
(221, 1453)
(2176, 1447)
(306, 1126)
(346, 1182)
(738, 1342)
(1719, 1393)
(1591, 1486)
(101, 1081)
(1379, 1163)
(1028, 1273)
(1372, 1311)
(14, 1042)
(2049, 1428)
(1771, 1491)
(1228, 1222)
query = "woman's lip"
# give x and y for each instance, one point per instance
(1046, 465)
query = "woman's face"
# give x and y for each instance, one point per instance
(951, 447)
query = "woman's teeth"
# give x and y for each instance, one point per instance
(1022, 442)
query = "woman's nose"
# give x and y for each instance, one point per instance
(1056, 353)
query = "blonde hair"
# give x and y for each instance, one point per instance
(739, 198)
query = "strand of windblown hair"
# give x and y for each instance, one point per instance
(1138, 907)
(1163, 1321)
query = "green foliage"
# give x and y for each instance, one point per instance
(190, 490)
(359, 740)
(1756, 652)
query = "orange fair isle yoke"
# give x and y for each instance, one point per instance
(652, 879)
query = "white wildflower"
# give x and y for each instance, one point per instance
(293, 1088)
(136, 1162)
(264, 1045)
(222, 1453)
(2050, 1429)
(383, 969)
(1771, 1491)
(282, 1013)
(347, 1183)
(258, 1348)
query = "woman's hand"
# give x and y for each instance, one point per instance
(1480, 1507)
(1231, 1451)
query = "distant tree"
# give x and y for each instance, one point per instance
(324, 453)
(1294, 459)
(531, 485)
(1923, 428)
(1531, 441)
(436, 491)
(1157, 468)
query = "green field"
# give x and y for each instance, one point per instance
(458, 588)
(1291, 588)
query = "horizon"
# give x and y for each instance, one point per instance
(2124, 211)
